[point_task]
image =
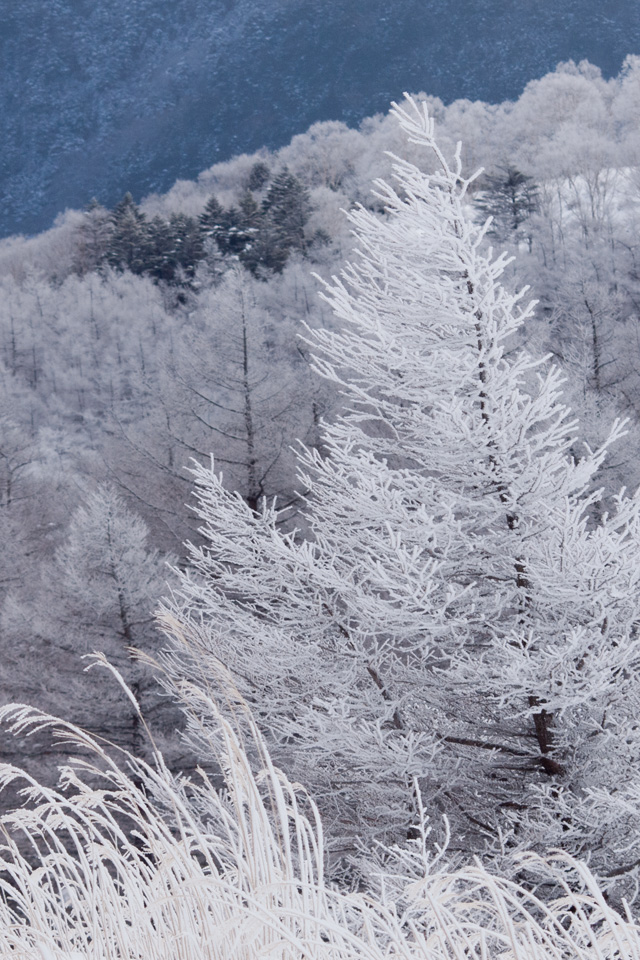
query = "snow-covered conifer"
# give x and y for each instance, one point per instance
(96, 594)
(465, 607)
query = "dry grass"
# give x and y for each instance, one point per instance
(148, 867)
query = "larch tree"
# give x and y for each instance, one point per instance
(464, 607)
(236, 389)
(93, 235)
(96, 594)
(108, 578)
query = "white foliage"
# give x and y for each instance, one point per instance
(465, 609)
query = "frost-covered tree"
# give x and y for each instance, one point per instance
(237, 388)
(108, 579)
(96, 594)
(464, 610)
(93, 235)
(129, 240)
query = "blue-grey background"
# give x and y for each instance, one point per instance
(102, 96)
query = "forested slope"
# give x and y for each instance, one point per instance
(96, 99)
(445, 650)
(135, 338)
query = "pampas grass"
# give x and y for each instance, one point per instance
(123, 861)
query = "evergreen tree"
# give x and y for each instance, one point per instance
(160, 255)
(229, 228)
(93, 239)
(187, 242)
(464, 609)
(128, 246)
(261, 236)
(174, 247)
(510, 198)
(212, 218)
(288, 206)
(259, 176)
(250, 213)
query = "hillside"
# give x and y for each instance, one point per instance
(132, 96)
(138, 338)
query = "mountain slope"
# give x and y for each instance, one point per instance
(96, 99)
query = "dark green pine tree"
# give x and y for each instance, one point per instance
(254, 233)
(129, 242)
(160, 260)
(213, 220)
(250, 213)
(259, 176)
(223, 226)
(510, 198)
(288, 206)
(263, 235)
(187, 243)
